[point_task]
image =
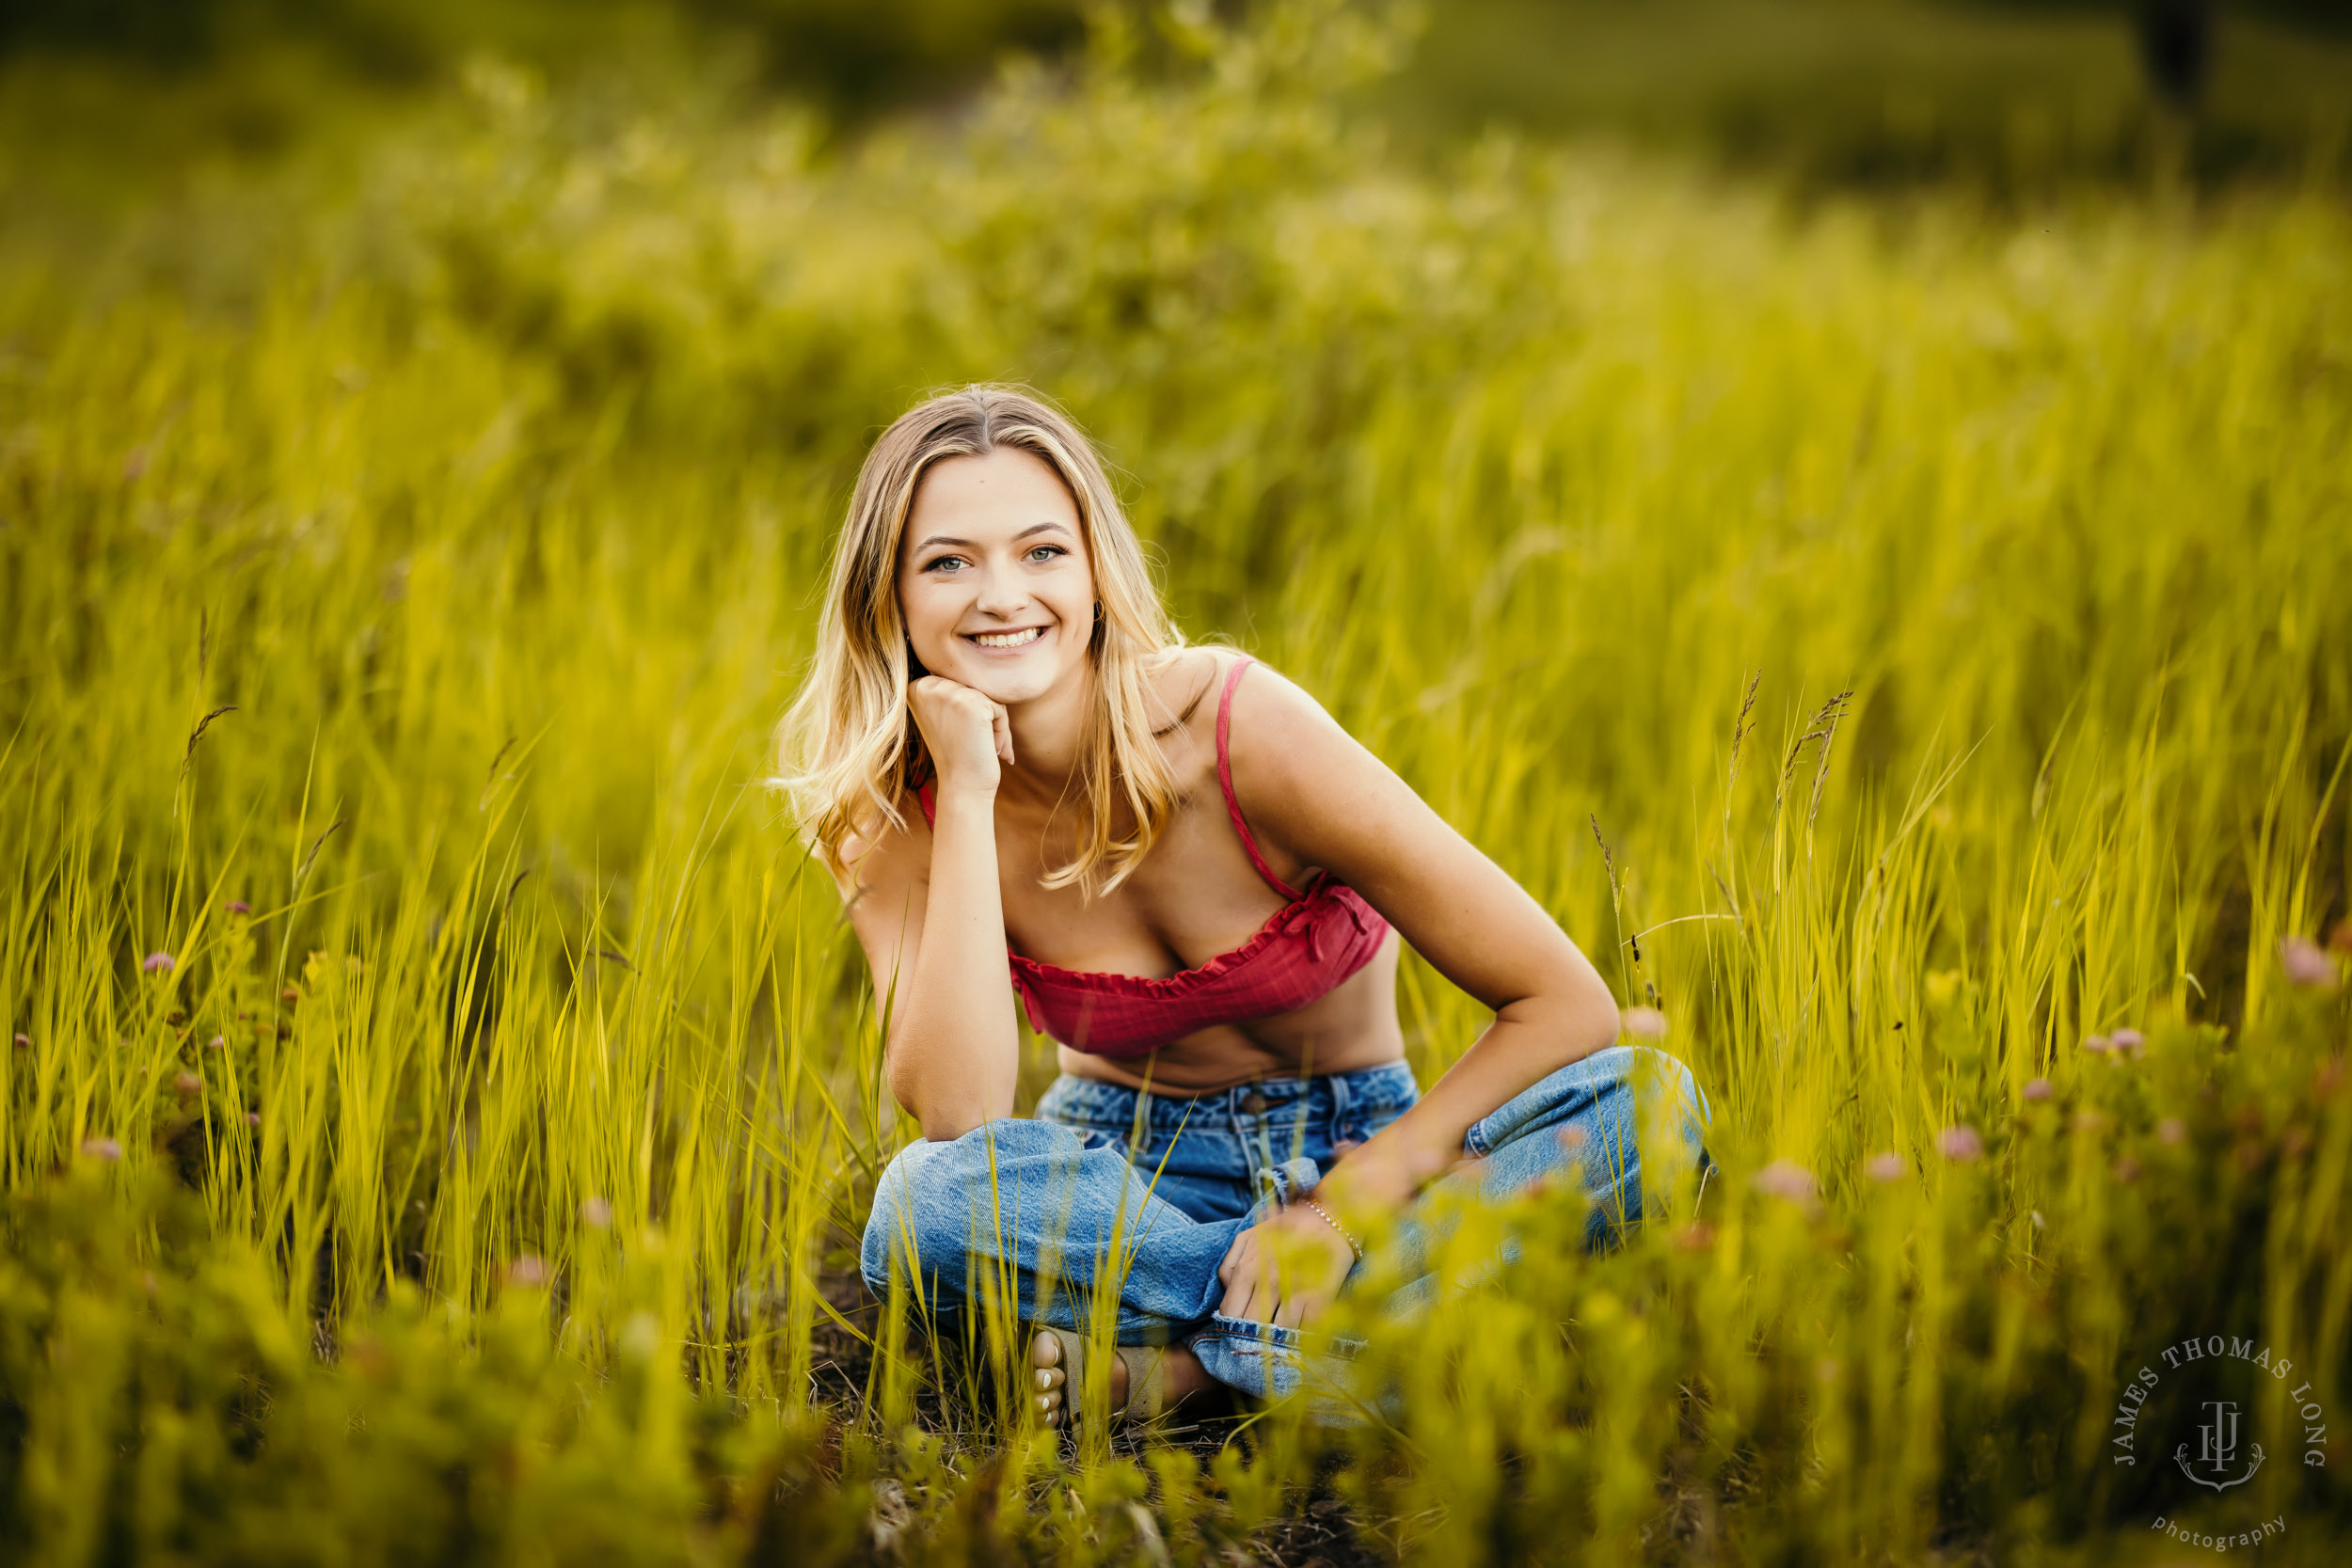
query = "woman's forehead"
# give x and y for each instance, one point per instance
(991, 498)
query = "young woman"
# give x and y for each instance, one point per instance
(1037, 798)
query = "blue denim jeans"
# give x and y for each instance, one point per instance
(1147, 1193)
(1207, 1151)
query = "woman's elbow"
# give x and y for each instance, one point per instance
(1588, 1017)
(944, 1112)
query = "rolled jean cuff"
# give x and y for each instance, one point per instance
(1278, 1184)
(1272, 1361)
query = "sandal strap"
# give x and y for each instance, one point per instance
(1147, 1382)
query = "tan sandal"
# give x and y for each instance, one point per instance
(1052, 1385)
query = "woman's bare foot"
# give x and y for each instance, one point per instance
(1174, 1368)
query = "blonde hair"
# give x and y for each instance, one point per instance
(848, 747)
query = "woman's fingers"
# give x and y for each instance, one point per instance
(967, 733)
(1237, 1260)
(1259, 1289)
(1247, 1288)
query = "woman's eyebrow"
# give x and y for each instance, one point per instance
(966, 543)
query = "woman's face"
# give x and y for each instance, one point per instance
(994, 578)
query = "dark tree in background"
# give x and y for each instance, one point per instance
(2176, 45)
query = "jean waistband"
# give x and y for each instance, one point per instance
(1367, 1091)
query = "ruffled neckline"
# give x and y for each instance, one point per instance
(1323, 892)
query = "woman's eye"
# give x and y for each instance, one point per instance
(1046, 552)
(944, 563)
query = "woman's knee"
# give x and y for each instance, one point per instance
(938, 1203)
(1678, 1095)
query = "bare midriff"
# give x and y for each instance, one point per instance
(1352, 1028)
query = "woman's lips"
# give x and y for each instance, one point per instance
(1008, 641)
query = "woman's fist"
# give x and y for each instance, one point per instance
(968, 733)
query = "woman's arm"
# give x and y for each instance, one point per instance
(1311, 790)
(935, 936)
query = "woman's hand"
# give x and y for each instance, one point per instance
(1286, 1269)
(968, 733)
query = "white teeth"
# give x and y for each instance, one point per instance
(1009, 638)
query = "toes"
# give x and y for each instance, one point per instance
(1047, 1379)
(1044, 1350)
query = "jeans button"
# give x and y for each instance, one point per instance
(1253, 1103)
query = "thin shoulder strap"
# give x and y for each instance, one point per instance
(1225, 778)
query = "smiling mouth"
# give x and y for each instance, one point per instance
(1021, 639)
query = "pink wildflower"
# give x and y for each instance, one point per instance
(101, 1149)
(1787, 1181)
(1960, 1143)
(1644, 1024)
(157, 963)
(2307, 964)
(1887, 1167)
(2039, 1088)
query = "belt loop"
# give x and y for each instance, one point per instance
(1251, 1164)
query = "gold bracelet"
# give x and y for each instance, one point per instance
(1353, 1244)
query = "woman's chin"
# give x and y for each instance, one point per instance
(1010, 682)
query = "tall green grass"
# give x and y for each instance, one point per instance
(476, 1175)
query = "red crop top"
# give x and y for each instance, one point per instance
(1325, 934)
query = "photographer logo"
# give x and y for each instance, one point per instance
(2218, 1450)
(2207, 1432)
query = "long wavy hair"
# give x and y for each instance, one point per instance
(849, 748)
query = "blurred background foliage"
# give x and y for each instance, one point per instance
(493, 500)
(103, 98)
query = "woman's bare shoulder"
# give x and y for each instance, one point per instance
(1283, 742)
(1277, 708)
(878, 852)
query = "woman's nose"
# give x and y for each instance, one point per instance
(1001, 593)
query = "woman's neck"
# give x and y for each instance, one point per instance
(1047, 734)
